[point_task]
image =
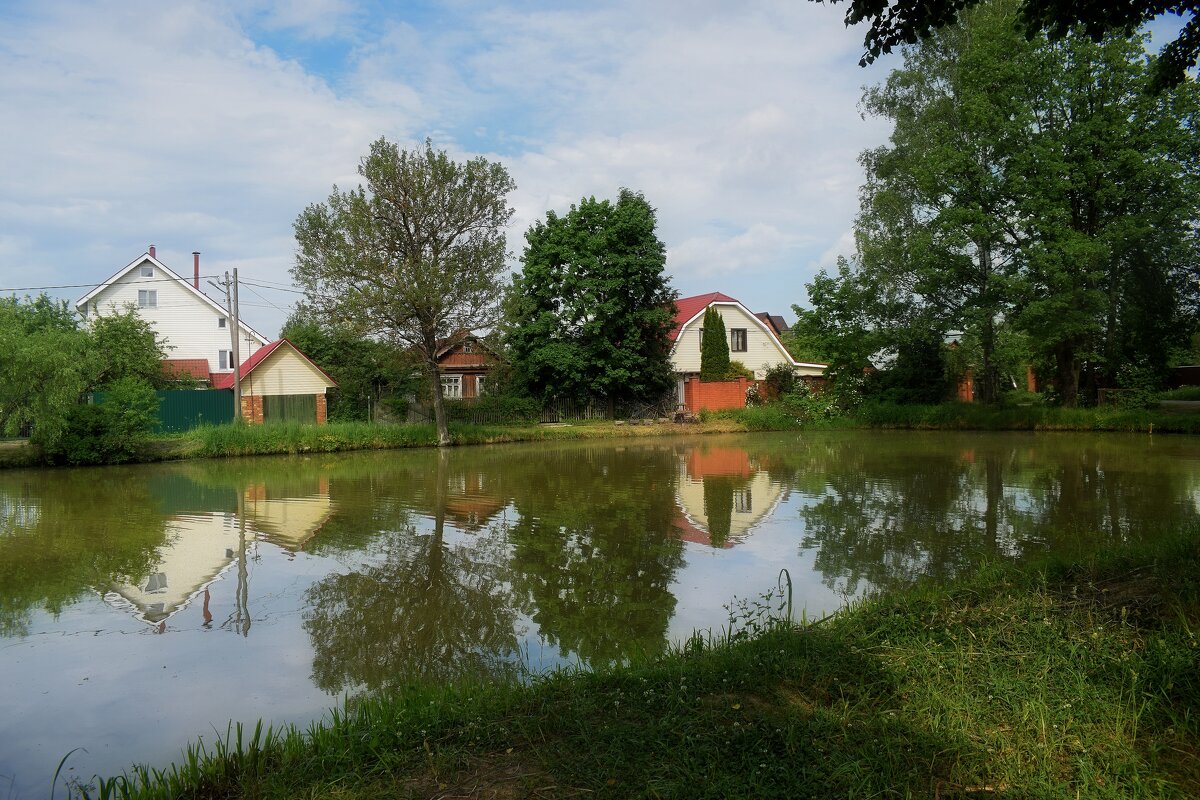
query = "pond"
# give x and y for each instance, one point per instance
(142, 607)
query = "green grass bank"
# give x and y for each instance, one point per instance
(1073, 680)
(276, 439)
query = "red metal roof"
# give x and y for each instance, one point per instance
(225, 380)
(196, 368)
(688, 307)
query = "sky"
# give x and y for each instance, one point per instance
(210, 126)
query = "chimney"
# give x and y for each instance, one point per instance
(196, 268)
(152, 252)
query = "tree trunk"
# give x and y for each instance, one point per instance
(1066, 374)
(988, 379)
(439, 404)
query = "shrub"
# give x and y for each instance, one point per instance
(714, 347)
(110, 433)
(780, 379)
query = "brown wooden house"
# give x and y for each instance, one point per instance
(465, 361)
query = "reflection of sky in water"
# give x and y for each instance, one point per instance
(838, 515)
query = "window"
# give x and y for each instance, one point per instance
(157, 582)
(469, 347)
(737, 340)
(225, 359)
(452, 386)
(147, 271)
(741, 501)
(220, 322)
(148, 298)
(479, 386)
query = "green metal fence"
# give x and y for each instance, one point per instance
(183, 409)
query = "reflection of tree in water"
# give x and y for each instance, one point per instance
(903, 508)
(718, 506)
(65, 532)
(593, 550)
(429, 610)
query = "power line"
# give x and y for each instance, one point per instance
(95, 285)
(275, 288)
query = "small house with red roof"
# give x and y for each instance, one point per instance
(280, 383)
(753, 340)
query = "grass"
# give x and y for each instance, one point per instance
(294, 438)
(1073, 680)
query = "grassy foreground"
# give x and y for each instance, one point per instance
(1076, 680)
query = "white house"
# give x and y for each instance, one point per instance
(751, 340)
(194, 326)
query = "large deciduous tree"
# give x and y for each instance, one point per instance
(1032, 185)
(899, 22)
(589, 314)
(413, 256)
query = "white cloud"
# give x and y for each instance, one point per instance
(141, 122)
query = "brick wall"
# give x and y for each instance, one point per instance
(321, 413)
(714, 395)
(252, 408)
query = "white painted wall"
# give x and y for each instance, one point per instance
(763, 350)
(188, 324)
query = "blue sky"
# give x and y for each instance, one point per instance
(210, 126)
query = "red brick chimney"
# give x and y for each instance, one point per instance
(196, 268)
(152, 252)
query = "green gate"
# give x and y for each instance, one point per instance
(290, 408)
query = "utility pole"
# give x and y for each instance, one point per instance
(230, 288)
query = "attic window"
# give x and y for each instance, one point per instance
(468, 347)
(220, 322)
(147, 271)
(148, 298)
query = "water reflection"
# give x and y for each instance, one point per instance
(723, 492)
(349, 573)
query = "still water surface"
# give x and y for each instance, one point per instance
(142, 607)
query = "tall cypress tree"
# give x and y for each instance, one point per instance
(714, 347)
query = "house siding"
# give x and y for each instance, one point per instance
(282, 373)
(187, 323)
(762, 350)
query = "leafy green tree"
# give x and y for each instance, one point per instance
(714, 347)
(44, 370)
(589, 313)
(900, 22)
(414, 256)
(110, 432)
(368, 371)
(124, 345)
(1032, 183)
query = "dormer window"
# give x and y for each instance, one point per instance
(147, 271)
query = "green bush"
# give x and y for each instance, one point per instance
(110, 433)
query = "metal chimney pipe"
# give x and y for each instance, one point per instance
(196, 268)
(152, 252)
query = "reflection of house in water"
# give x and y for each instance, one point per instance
(470, 500)
(288, 522)
(721, 496)
(201, 547)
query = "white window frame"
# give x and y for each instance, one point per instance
(479, 385)
(452, 387)
(225, 359)
(146, 271)
(743, 501)
(147, 298)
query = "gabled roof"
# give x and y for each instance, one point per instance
(459, 337)
(225, 380)
(688, 309)
(187, 284)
